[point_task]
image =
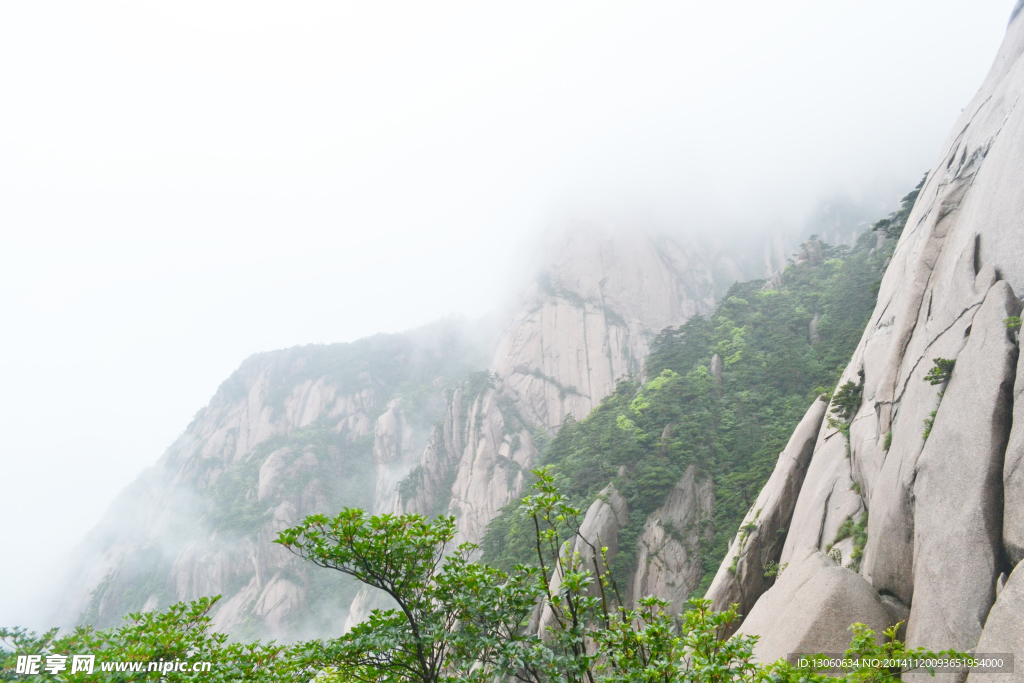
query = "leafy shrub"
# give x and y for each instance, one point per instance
(459, 621)
(940, 373)
(929, 422)
(847, 400)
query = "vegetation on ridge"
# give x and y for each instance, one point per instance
(731, 427)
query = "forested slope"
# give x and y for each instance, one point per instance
(722, 393)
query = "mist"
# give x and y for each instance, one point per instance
(183, 185)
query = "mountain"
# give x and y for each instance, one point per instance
(683, 447)
(415, 422)
(290, 433)
(710, 422)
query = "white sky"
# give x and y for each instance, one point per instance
(184, 184)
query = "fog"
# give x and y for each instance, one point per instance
(184, 184)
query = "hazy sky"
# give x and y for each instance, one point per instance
(183, 184)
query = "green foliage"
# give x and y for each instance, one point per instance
(859, 532)
(847, 399)
(941, 372)
(929, 422)
(774, 570)
(459, 621)
(844, 531)
(864, 658)
(455, 620)
(731, 431)
(887, 443)
(1012, 323)
(180, 633)
(448, 608)
(893, 226)
(860, 539)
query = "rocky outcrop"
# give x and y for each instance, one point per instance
(924, 463)
(810, 609)
(827, 497)
(745, 572)
(587, 319)
(810, 252)
(395, 452)
(1013, 477)
(490, 473)
(289, 434)
(1004, 630)
(669, 547)
(812, 330)
(958, 511)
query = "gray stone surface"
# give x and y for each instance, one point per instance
(958, 491)
(811, 607)
(935, 525)
(489, 473)
(588, 318)
(827, 498)
(1013, 478)
(1004, 630)
(740, 578)
(668, 550)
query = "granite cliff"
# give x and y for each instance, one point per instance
(910, 507)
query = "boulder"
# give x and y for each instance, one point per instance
(811, 607)
(1013, 477)
(958, 489)
(741, 577)
(1004, 630)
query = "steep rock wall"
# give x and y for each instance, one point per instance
(291, 433)
(934, 507)
(587, 319)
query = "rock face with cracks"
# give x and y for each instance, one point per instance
(931, 474)
(958, 511)
(1004, 629)
(741, 578)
